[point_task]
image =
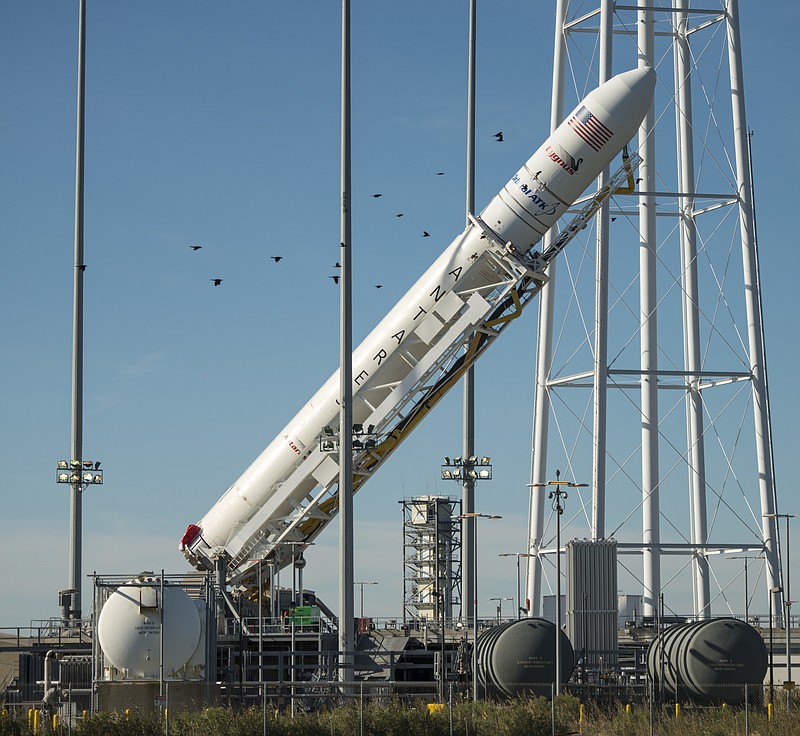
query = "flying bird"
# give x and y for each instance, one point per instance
(216, 282)
(378, 286)
(337, 265)
(335, 279)
(195, 247)
(440, 173)
(276, 258)
(425, 234)
(499, 136)
(377, 195)
(399, 215)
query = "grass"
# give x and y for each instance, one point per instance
(523, 717)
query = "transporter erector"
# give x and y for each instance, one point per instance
(445, 321)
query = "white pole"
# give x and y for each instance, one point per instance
(766, 479)
(648, 300)
(544, 350)
(346, 631)
(691, 311)
(601, 314)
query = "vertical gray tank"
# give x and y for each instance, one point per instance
(518, 658)
(708, 661)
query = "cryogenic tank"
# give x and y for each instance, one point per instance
(130, 623)
(518, 658)
(708, 661)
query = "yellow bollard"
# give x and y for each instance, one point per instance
(30, 718)
(55, 721)
(84, 714)
(677, 710)
(580, 716)
(628, 708)
(769, 711)
(35, 720)
(435, 708)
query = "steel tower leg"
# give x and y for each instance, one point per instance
(648, 298)
(691, 313)
(753, 305)
(541, 411)
(599, 433)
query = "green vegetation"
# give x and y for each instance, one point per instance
(530, 717)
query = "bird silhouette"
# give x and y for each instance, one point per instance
(425, 234)
(378, 286)
(337, 265)
(613, 219)
(216, 282)
(399, 215)
(440, 173)
(276, 258)
(195, 247)
(377, 195)
(499, 136)
(335, 279)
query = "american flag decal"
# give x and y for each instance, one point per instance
(588, 127)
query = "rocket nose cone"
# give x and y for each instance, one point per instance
(627, 98)
(641, 83)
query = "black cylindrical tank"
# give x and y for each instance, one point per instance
(518, 658)
(708, 661)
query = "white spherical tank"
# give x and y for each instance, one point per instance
(129, 628)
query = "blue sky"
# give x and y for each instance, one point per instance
(218, 125)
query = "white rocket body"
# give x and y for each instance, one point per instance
(524, 210)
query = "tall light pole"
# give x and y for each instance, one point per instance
(746, 593)
(467, 517)
(469, 469)
(362, 583)
(519, 590)
(558, 495)
(787, 598)
(500, 607)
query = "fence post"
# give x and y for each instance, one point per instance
(264, 708)
(361, 709)
(746, 712)
(450, 707)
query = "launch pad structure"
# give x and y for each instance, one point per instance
(650, 347)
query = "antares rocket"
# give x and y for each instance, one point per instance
(424, 344)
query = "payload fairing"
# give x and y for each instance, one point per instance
(426, 342)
